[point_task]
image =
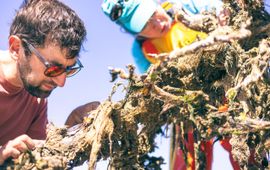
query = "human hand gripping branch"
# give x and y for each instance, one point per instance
(14, 148)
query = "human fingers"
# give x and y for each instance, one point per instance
(21, 144)
(18, 145)
(15, 147)
(24, 140)
(6, 152)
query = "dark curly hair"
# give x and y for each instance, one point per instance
(49, 21)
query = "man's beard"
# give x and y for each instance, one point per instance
(24, 70)
(36, 91)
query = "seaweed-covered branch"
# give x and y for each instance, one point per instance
(219, 87)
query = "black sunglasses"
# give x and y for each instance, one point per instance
(117, 10)
(53, 70)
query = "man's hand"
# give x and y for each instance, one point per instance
(14, 148)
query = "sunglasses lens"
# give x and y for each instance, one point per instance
(72, 72)
(54, 71)
(116, 12)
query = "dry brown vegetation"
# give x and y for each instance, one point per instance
(187, 87)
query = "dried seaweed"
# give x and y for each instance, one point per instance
(187, 87)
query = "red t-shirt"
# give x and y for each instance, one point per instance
(21, 113)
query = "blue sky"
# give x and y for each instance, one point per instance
(106, 45)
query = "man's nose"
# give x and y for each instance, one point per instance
(60, 80)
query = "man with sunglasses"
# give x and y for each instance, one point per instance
(44, 43)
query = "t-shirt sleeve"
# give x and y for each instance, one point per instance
(37, 129)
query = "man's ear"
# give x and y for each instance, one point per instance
(15, 44)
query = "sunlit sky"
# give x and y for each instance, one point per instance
(106, 45)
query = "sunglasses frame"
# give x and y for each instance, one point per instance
(48, 65)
